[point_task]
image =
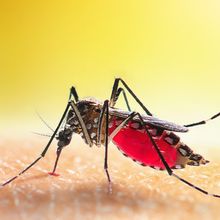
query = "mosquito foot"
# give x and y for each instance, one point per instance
(53, 174)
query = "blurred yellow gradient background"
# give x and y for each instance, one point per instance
(167, 51)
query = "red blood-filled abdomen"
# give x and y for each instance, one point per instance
(136, 144)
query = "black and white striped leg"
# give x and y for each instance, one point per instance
(82, 124)
(100, 124)
(43, 152)
(113, 98)
(125, 98)
(119, 91)
(102, 119)
(106, 148)
(169, 170)
(203, 121)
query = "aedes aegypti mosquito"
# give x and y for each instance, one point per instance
(147, 140)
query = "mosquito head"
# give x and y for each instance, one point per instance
(64, 137)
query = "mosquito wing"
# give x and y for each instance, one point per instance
(170, 126)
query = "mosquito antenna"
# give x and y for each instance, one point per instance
(45, 135)
(44, 121)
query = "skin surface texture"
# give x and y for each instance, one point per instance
(81, 192)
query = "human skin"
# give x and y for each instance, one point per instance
(81, 189)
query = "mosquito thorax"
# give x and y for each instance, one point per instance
(89, 110)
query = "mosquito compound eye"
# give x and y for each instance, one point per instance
(60, 134)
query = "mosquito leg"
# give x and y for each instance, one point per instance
(119, 91)
(114, 97)
(100, 122)
(115, 90)
(106, 148)
(116, 93)
(73, 93)
(59, 150)
(43, 152)
(102, 119)
(203, 121)
(82, 124)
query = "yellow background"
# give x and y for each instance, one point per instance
(167, 51)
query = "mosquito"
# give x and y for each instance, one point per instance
(145, 139)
